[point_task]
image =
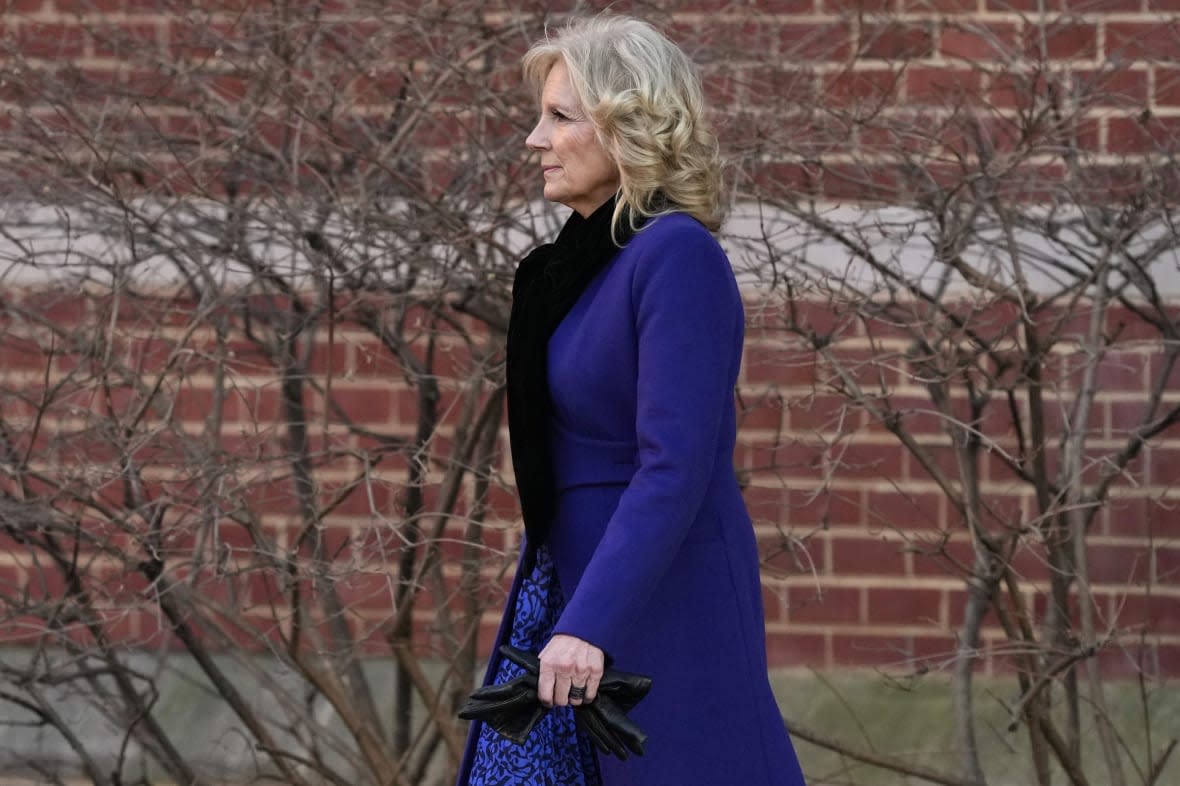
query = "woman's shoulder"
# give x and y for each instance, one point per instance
(679, 229)
(675, 250)
(677, 240)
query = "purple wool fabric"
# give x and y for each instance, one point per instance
(651, 539)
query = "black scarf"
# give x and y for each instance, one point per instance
(547, 284)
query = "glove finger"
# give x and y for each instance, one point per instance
(624, 688)
(517, 725)
(479, 709)
(622, 728)
(497, 692)
(526, 660)
(598, 732)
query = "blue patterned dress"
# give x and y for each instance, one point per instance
(556, 753)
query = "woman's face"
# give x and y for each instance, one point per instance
(578, 172)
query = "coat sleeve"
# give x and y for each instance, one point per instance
(689, 322)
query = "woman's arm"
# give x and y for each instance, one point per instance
(689, 322)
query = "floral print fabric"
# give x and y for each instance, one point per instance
(555, 753)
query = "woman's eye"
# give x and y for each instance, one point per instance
(558, 115)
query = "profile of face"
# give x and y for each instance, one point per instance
(578, 171)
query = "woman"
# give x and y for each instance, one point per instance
(623, 351)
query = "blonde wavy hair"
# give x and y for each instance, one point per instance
(645, 99)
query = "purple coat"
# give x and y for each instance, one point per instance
(651, 540)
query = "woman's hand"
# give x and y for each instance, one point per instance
(567, 662)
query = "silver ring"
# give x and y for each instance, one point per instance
(578, 692)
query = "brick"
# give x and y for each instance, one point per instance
(1164, 372)
(956, 610)
(796, 649)
(824, 318)
(869, 461)
(905, 510)
(778, 85)
(715, 42)
(811, 414)
(1030, 563)
(1123, 372)
(1111, 87)
(938, 6)
(977, 41)
(871, 556)
(943, 459)
(367, 499)
(933, 651)
(807, 604)
(776, 364)
(1167, 86)
(896, 40)
(814, 43)
(942, 86)
(329, 358)
(856, 8)
(916, 416)
(762, 413)
(866, 182)
(824, 508)
(938, 559)
(51, 40)
(1126, 135)
(874, 368)
(1129, 327)
(19, 353)
(762, 6)
(1167, 659)
(1150, 613)
(193, 403)
(1167, 560)
(1027, 6)
(369, 406)
(21, 6)
(1129, 658)
(774, 602)
(1129, 516)
(866, 650)
(723, 87)
(367, 590)
(131, 40)
(1155, 41)
(1124, 417)
(783, 457)
(1061, 40)
(1014, 89)
(892, 606)
(107, 6)
(765, 503)
(1118, 564)
(1125, 660)
(371, 358)
(1163, 466)
(866, 89)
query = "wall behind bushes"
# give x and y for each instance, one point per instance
(865, 557)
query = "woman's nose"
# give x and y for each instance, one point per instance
(537, 138)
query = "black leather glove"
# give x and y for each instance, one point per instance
(512, 709)
(609, 729)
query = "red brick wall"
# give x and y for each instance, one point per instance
(865, 555)
(867, 581)
(865, 558)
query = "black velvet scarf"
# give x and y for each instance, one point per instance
(547, 284)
